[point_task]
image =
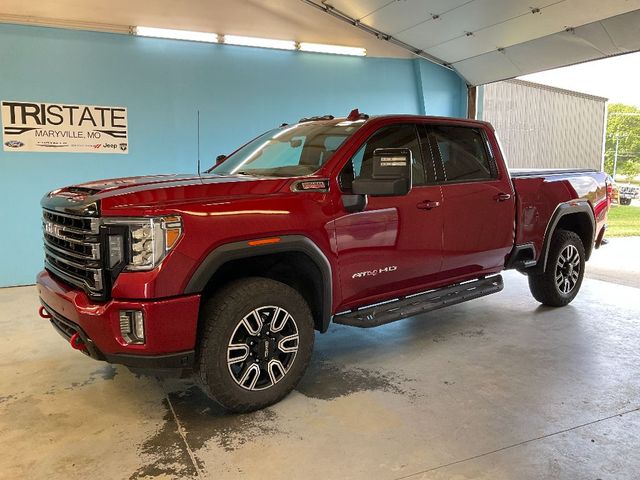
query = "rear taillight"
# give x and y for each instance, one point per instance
(609, 190)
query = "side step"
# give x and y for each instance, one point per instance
(524, 264)
(382, 314)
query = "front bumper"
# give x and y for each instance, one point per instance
(170, 326)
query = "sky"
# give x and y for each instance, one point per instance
(616, 78)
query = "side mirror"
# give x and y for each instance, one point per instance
(391, 174)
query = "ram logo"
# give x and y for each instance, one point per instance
(373, 273)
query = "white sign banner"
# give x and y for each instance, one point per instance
(57, 127)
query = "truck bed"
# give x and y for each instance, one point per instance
(540, 192)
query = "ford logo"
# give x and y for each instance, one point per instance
(14, 144)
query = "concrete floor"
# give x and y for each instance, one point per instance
(498, 388)
(618, 261)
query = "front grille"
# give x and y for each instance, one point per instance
(72, 250)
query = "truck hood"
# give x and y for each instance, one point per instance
(110, 184)
(147, 194)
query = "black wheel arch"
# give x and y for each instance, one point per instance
(576, 216)
(321, 284)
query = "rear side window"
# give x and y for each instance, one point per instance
(462, 153)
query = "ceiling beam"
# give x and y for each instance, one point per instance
(70, 24)
(334, 12)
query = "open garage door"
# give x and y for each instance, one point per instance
(490, 40)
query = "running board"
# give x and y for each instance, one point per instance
(382, 314)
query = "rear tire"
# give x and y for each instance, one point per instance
(255, 343)
(562, 278)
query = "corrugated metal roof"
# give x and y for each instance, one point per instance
(545, 127)
(564, 91)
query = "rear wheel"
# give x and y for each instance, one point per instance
(255, 344)
(562, 278)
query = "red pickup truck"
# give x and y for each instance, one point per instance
(359, 221)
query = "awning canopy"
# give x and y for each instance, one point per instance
(483, 40)
(491, 40)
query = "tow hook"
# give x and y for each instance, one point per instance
(43, 313)
(77, 343)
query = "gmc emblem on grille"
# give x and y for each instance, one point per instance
(52, 229)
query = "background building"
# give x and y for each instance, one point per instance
(545, 127)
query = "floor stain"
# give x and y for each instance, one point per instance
(6, 398)
(107, 372)
(204, 420)
(325, 380)
(165, 453)
(479, 332)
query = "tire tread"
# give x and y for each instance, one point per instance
(542, 285)
(216, 312)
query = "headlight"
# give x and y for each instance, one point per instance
(150, 239)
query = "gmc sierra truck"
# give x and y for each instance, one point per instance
(226, 275)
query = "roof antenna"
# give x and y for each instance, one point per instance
(198, 122)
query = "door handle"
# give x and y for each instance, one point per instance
(502, 197)
(428, 205)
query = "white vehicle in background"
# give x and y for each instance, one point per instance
(628, 193)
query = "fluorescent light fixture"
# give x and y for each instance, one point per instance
(259, 42)
(335, 49)
(176, 34)
(248, 41)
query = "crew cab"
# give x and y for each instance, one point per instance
(361, 221)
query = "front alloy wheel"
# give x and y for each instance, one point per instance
(262, 348)
(255, 343)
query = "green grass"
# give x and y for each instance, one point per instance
(624, 221)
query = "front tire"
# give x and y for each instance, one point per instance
(562, 278)
(255, 344)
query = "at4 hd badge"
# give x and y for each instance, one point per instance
(375, 272)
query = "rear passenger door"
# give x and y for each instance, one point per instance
(478, 201)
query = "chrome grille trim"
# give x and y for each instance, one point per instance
(70, 220)
(73, 250)
(73, 279)
(73, 263)
(95, 250)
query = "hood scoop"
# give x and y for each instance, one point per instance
(80, 190)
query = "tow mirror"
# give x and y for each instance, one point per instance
(391, 174)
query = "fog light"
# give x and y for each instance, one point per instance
(132, 326)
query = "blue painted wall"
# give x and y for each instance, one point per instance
(239, 91)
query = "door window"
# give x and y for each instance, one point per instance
(393, 136)
(463, 154)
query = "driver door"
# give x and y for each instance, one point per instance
(394, 246)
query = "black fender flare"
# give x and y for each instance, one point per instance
(287, 243)
(562, 210)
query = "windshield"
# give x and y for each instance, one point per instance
(288, 151)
